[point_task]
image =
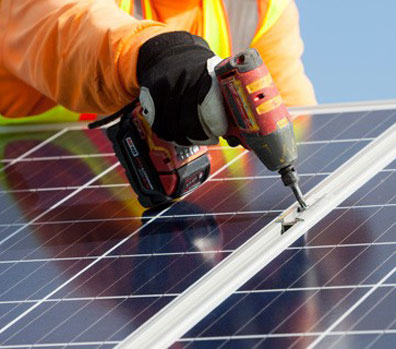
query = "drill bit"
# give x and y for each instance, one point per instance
(290, 179)
(299, 196)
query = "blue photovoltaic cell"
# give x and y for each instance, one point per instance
(301, 293)
(92, 268)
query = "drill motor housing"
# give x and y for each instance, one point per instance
(257, 116)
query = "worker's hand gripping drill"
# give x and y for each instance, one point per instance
(183, 102)
(179, 107)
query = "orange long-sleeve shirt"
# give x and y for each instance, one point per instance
(82, 54)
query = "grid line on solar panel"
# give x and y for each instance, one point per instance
(328, 142)
(210, 149)
(80, 222)
(47, 185)
(365, 314)
(352, 308)
(287, 335)
(93, 155)
(211, 339)
(90, 344)
(45, 311)
(74, 193)
(381, 205)
(152, 254)
(187, 215)
(308, 271)
(61, 157)
(225, 251)
(81, 308)
(310, 156)
(367, 334)
(184, 253)
(392, 286)
(36, 172)
(34, 149)
(86, 268)
(127, 185)
(243, 185)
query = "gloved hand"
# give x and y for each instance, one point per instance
(182, 100)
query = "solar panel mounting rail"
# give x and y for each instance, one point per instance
(169, 324)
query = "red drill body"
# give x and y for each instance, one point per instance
(160, 171)
(257, 117)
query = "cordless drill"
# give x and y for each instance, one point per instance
(160, 171)
(257, 117)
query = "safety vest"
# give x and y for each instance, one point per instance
(215, 31)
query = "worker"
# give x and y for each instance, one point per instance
(69, 59)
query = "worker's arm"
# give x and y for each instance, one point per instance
(79, 53)
(281, 48)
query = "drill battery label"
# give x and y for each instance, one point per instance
(132, 146)
(145, 179)
(141, 170)
(192, 182)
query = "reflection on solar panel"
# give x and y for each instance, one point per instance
(82, 264)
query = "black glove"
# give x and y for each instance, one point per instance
(182, 100)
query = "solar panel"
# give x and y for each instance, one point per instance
(83, 265)
(338, 277)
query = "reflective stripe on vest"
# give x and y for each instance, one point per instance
(215, 26)
(125, 5)
(147, 10)
(56, 114)
(216, 30)
(275, 9)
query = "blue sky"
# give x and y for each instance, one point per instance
(350, 48)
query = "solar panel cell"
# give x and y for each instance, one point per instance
(360, 340)
(76, 142)
(17, 208)
(81, 319)
(80, 263)
(321, 278)
(65, 240)
(34, 280)
(14, 145)
(237, 343)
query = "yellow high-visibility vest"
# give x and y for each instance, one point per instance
(215, 31)
(215, 27)
(274, 11)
